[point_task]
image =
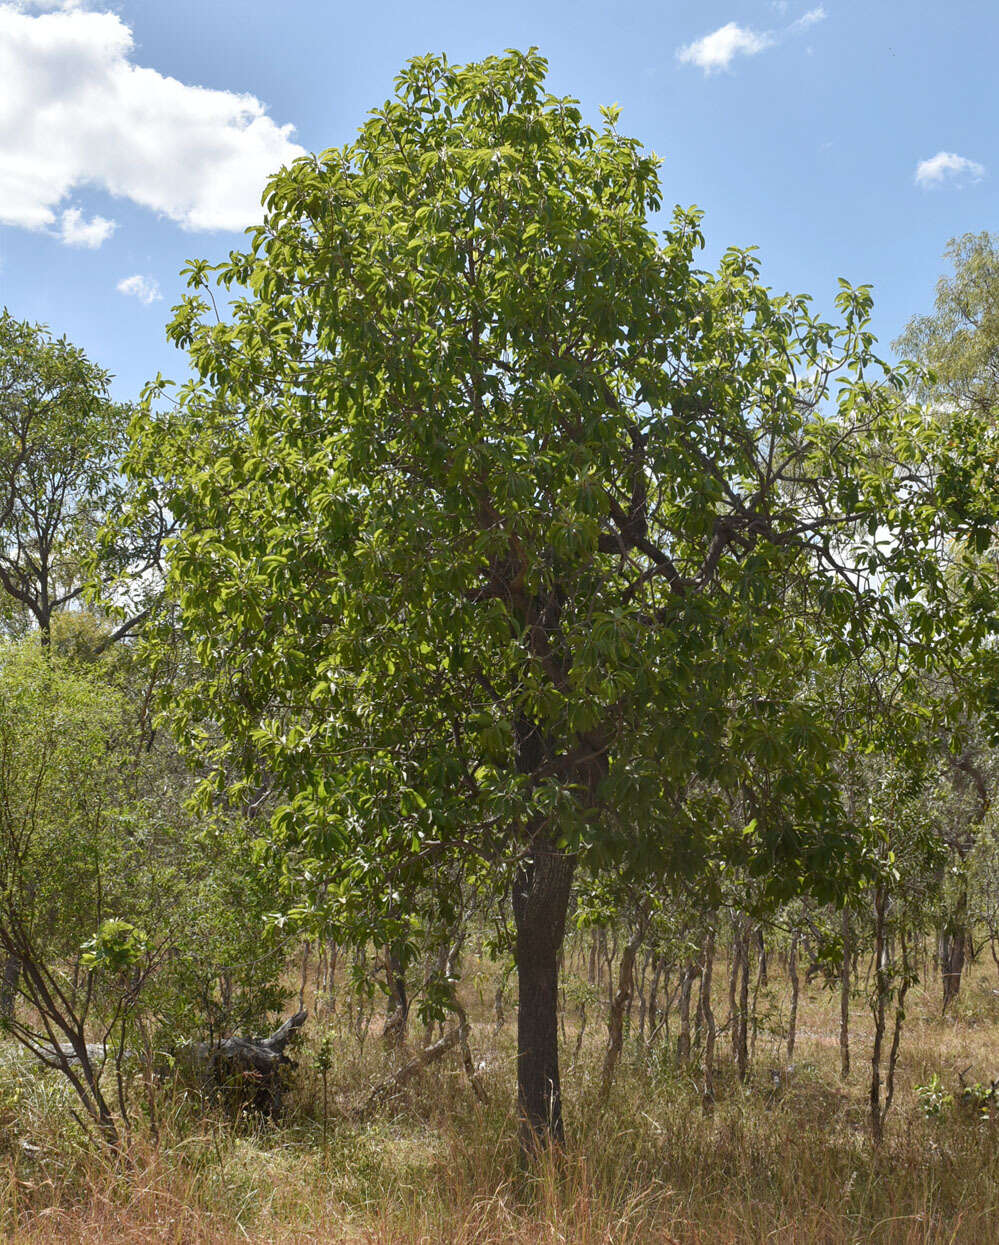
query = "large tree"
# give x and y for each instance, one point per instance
(509, 537)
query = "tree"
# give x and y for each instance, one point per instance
(510, 538)
(957, 347)
(61, 440)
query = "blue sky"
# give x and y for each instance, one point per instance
(843, 139)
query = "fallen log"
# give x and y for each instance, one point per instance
(248, 1068)
(430, 1054)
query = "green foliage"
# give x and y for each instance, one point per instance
(108, 887)
(959, 342)
(63, 759)
(504, 524)
(934, 1100)
(61, 441)
(116, 947)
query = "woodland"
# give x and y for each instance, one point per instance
(505, 748)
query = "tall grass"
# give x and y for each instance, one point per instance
(786, 1158)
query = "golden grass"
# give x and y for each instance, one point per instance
(776, 1163)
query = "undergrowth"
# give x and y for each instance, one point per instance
(784, 1158)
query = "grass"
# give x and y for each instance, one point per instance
(787, 1161)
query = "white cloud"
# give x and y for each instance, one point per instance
(145, 289)
(808, 19)
(947, 166)
(75, 110)
(716, 51)
(75, 231)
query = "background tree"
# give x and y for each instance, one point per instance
(958, 343)
(61, 441)
(501, 522)
(957, 347)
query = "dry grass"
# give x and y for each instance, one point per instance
(782, 1163)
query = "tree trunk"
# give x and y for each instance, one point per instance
(9, 985)
(540, 902)
(952, 948)
(683, 1037)
(733, 985)
(397, 1020)
(880, 1006)
(761, 947)
(742, 1048)
(615, 1019)
(657, 973)
(792, 1021)
(708, 958)
(844, 999)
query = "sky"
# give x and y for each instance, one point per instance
(851, 138)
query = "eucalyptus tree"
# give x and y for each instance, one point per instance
(501, 523)
(957, 346)
(61, 441)
(958, 342)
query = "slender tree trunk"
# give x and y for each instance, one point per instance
(615, 1019)
(306, 954)
(880, 1007)
(708, 1095)
(683, 1037)
(761, 947)
(654, 997)
(897, 1033)
(953, 943)
(742, 1050)
(844, 999)
(761, 982)
(792, 1020)
(540, 902)
(733, 986)
(397, 1021)
(643, 1002)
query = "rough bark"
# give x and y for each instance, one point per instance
(956, 935)
(540, 902)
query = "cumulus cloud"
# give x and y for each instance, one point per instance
(75, 231)
(948, 167)
(76, 110)
(716, 51)
(145, 289)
